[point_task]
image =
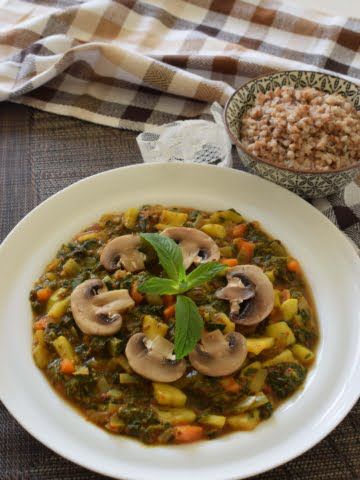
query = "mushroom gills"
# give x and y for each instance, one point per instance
(123, 251)
(154, 359)
(96, 310)
(218, 355)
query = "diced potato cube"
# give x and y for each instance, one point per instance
(250, 369)
(258, 380)
(289, 308)
(277, 302)
(82, 371)
(153, 299)
(168, 395)
(215, 421)
(123, 362)
(59, 294)
(244, 421)
(225, 320)
(130, 217)
(226, 215)
(257, 345)
(281, 332)
(284, 356)
(70, 268)
(153, 328)
(175, 416)
(59, 308)
(303, 354)
(41, 355)
(90, 236)
(214, 230)
(64, 348)
(127, 379)
(176, 219)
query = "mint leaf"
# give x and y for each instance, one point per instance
(188, 326)
(203, 273)
(159, 286)
(169, 253)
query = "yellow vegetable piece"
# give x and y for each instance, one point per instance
(258, 380)
(51, 276)
(127, 379)
(214, 230)
(152, 328)
(281, 332)
(52, 265)
(175, 416)
(64, 348)
(215, 421)
(284, 356)
(226, 215)
(59, 294)
(41, 355)
(176, 219)
(303, 354)
(123, 362)
(153, 299)
(271, 276)
(70, 268)
(244, 421)
(59, 308)
(257, 345)
(249, 369)
(168, 395)
(225, 320)
(226, 251)
(89, 236)
(289, 308)
(130, 217)
(277, 301)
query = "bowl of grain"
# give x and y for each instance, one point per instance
(300, 129)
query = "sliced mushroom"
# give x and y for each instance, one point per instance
(250, 294)
(96, 310)
(196, 246)
(123, 251)
(219, 355)
(154, 359)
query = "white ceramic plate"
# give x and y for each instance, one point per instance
(328, 259)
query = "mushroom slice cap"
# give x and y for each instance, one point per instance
(96, 310)
(123, 251)
(196, 246)
(247, 309)
(154, 359)
(217, 355)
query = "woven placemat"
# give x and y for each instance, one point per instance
(41, 153)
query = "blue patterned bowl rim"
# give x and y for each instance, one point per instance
(238, 144)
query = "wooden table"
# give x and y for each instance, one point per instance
(41, 153)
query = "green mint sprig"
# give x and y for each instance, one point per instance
(189, 323)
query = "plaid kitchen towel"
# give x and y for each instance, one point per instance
(137, 63)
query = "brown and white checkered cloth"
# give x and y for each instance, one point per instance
(138, 64)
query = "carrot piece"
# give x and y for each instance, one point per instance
(41, 324)
(293, 266)
(168, 300)
(135, 294)
(229, 262)
(188, 433)
(43, 294)
(169, 312)
(245, 248)
(239, 230)
(67, 366)
(230, 385)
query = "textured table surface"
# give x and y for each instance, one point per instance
(42, 153)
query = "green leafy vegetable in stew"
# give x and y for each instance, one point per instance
(174, 325)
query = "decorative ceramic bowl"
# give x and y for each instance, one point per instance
(307, 183)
